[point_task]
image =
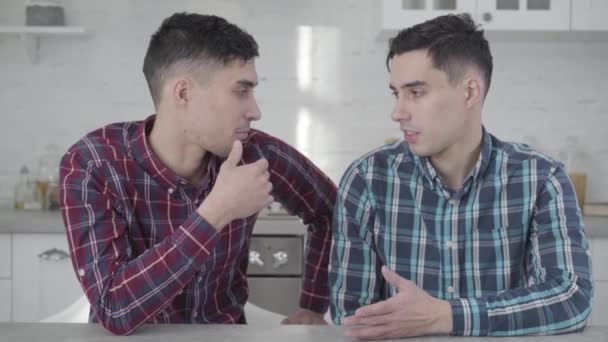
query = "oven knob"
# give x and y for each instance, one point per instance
(254, 259)
(280, 258)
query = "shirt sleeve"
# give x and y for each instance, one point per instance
(560, 285)
(124, 290)
(307, 192)
(354, 277)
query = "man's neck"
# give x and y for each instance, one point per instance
(171, 148)
(456, 162)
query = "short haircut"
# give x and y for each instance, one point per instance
(187, 41)
(453, 42)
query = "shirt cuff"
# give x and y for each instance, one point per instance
(315, 296)
(469, 317)
(196, 238)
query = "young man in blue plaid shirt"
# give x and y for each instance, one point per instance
(454, 231)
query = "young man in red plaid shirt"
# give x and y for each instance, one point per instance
(159, 212)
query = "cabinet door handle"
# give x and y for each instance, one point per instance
(487, 17)
(53, 254)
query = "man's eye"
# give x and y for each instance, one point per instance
(417, 93)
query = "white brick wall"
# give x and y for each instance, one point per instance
(551, 88)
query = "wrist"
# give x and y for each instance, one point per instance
(215, 215)
(443, 323)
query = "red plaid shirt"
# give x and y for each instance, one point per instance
(142, 252)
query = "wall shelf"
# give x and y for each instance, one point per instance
(31, 35)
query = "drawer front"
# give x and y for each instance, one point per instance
(44, 282)
(599, 258)
(5, 256)
(279, 295)
(275, 255)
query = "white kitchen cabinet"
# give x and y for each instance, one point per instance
(5, 278)
(546, 15)
(500, 15)
(5, 256)
(5, 300)
(44, 282)
(599, 312)
(599, 258)
(589, 15)
(399, 14)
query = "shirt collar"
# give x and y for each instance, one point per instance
(429, 172)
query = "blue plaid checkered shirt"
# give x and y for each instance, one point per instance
(507, 250)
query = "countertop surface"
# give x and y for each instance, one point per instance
(29, 222)
(42, 222)
(51, 332)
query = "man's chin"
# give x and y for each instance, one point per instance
(420, 152)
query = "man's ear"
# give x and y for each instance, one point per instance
(473, 90)
(182, 91)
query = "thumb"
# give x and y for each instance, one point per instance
(235, 154)
(393, 278)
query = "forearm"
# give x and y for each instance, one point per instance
(315, 289)
(305, 191)
(126, 291)
(558, 305)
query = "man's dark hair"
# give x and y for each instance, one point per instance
(453, 42)
(191, 40)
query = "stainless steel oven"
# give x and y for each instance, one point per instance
(276, 264)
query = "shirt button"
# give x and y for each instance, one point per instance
(452, 201)
(450, 289)
(194, 314)
(200, 279)
(81, 272)
(449, 244)
(180, 292)
(170, 191)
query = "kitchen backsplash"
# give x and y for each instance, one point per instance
(323, 88)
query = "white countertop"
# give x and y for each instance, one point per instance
(23, 221)
(34, 221)
(50, 332)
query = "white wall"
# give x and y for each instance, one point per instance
(549, 87)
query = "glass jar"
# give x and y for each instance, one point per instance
(571, 155)
(48, 178)
(25, 192)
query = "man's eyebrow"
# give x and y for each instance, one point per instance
(410, 85)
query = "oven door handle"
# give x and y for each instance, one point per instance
(254, 259)
(280, 258)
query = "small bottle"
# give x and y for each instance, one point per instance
(24, 191)
(47, 179)
(20, 188)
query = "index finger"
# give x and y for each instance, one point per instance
(381, 308)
